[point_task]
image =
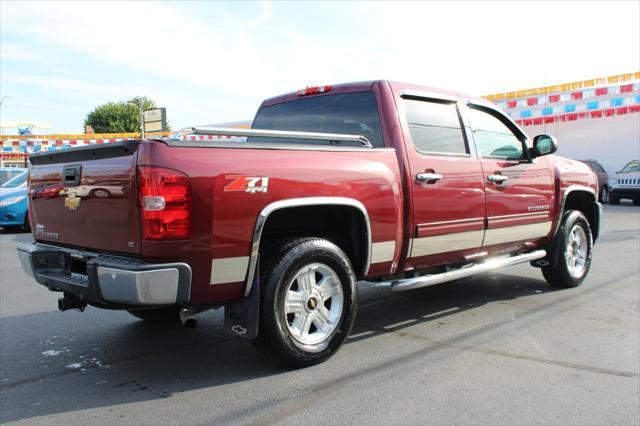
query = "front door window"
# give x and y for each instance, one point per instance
(493, 138)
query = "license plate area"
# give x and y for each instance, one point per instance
(76, 268)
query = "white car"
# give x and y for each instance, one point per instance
(624, 184)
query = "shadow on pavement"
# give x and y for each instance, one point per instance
(13, 230)
(441, 302)
(55, 363)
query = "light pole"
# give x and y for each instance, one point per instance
(1, 102)
(141, 109)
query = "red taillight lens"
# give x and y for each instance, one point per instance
(165, 203)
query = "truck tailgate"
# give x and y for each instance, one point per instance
(86, 197)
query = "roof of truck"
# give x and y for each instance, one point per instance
(365, 86)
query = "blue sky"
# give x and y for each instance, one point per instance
(211, 62)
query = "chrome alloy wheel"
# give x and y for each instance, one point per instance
(576, 251)
(313, 305)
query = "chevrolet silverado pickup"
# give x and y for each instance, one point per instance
(377, 181)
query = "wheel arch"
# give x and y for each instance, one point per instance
(295, 212)
(585, 200)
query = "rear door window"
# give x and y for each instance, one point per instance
(435, 127)
(348, 113)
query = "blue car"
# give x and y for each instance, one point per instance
(13, 202)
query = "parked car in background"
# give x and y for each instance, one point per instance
(625, 184)
(603, 176)
(13, 202)
(7, 173)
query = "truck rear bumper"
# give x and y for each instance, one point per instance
(105, 280)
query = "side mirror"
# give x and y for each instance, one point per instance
(544, 145)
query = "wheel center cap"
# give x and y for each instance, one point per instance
(312, 303)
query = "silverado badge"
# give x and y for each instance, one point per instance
(72, 202)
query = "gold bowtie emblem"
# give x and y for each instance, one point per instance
(72, 202)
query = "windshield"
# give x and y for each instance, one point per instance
(632, 166)
(8, 173)
(15, 181)
(347, 113)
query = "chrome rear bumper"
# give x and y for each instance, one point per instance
(113, 281)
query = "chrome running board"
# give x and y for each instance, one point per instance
(466, 271)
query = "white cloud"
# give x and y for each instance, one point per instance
(152, 37)
(13, 51)
(214, 60)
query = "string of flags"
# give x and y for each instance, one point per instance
(614, 79)
(574, 105)
(30, 146)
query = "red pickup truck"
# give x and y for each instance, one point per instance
(377, 181)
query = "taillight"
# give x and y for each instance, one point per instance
(165, 203)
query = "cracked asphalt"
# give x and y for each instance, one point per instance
(502, 348)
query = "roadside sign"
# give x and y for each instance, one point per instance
(155, 120)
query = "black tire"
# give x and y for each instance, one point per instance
(158, 315)
(94, 192)
(12, 228)
(614, 200)
(560, 274)
(27, 223)
(282, 265)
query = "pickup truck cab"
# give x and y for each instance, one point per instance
(377, 181)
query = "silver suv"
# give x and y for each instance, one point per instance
(624, 184)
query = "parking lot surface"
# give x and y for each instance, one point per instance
(502, 348)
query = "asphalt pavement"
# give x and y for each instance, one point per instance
(502, 348)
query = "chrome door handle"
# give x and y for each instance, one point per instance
(428, 177)
(497, 178)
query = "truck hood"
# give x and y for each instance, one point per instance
(630, 175)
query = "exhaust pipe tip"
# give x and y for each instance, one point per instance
(187, 318)
(190, 323)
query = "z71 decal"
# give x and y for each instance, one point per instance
(250, 184)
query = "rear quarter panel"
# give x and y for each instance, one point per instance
(224, 220)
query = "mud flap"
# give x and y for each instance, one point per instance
(553, 254)
(241, 318)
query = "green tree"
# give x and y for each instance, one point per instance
(117, 117)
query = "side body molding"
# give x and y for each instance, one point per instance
(299, 202)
